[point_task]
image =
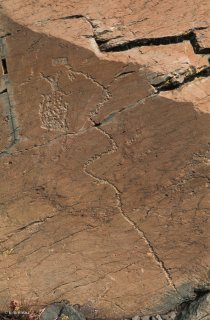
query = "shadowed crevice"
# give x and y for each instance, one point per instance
(143, 42)
(7, 102)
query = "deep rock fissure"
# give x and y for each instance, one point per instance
(7, 102)
(169, 84)
(4, 66)
(130, 106)
(143, 42)
(75, 16)
(104, 46)
(3, 91)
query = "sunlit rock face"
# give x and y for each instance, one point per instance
(104, 154)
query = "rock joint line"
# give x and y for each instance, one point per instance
(190, 35)
(8, 106)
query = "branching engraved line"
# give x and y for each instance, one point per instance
(113, 148)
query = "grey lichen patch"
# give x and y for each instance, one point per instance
(61, 311)
(197, 310)
(8, 113)
(53, 111)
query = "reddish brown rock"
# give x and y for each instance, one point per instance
(115, 22)
(203, 40)
(105, 180)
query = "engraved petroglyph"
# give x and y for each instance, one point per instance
(53, 108)
(53, 111)
(52, 80)
(59, 61)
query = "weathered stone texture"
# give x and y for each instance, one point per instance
(104, 189)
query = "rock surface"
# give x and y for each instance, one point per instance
(105, 153)
(61, 311)
(197, 310)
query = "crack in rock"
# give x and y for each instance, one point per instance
(106, 44)
(190, 35)
(8, 106)
(177, 79)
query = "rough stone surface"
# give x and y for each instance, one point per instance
(115, 22)
(197, 310)
(105, 153)
(203, 40)
(61, 310)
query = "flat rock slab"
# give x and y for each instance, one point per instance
(104, 189)
(111, 22)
